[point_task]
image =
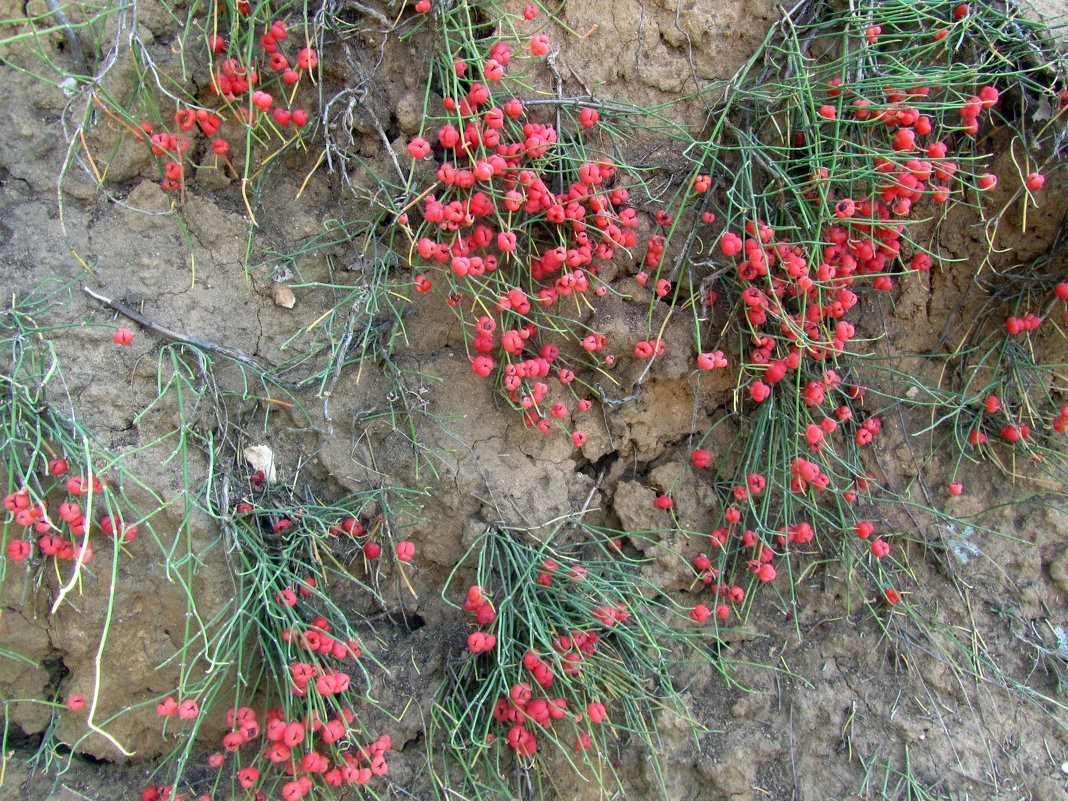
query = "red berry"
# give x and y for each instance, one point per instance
(766, 572)
(989, 96)
(247, 777)
(708, 361)
(730, 244)
(418, 147)
(1013, 433)
(185, 119)
(371, 550)
(262, 100)
(188, 709)
(513, 108)
(1035, 180)
(904, 139)
(123, 336)
(492, 70)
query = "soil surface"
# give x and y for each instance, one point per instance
(833, 696)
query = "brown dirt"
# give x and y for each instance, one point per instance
(846, 704)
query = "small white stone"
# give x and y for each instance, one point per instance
(261, 458)
(283, 296)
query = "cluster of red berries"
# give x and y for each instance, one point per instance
(528, 712)
(297, 747)
(1011, 431)
(757, 551)
(1060, 421)
(52, 540)
(879, 546)
(480, 606)
(782, 337)
(303, 752)
(498, 233)
(521, 708)
(163, 792)
(186, 710)
(1031, 321)
(246, 93)
(316, 640)
(350, 527)
(795, 309)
